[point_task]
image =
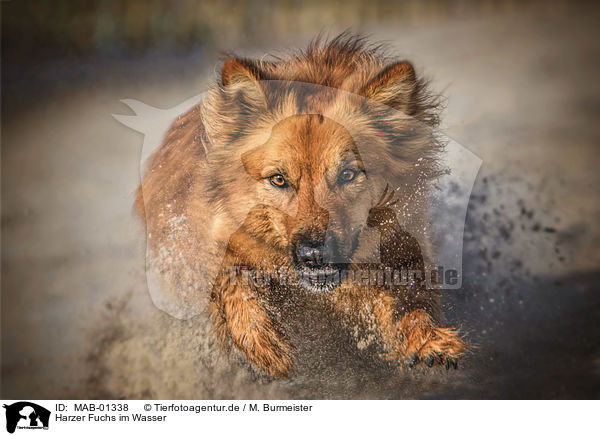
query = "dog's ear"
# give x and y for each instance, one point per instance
(394, 86)
(246, 76)
(237, 70)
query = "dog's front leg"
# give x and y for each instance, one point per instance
(241, 315)
(407, 338)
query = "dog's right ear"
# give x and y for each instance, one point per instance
(239, 71)
(245, 75)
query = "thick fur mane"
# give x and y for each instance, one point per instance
(347, 62)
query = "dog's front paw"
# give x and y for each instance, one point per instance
(382, 213)
(425, 343)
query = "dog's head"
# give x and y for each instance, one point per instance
(310, 145)
(310, 171)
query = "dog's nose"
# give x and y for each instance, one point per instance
(311, 256)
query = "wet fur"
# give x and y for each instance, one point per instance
(207, 206)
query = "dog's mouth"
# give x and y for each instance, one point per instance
(320, 280)
(322, 268)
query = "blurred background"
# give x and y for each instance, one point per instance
(522, 92)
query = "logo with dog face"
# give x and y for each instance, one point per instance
(26, 415)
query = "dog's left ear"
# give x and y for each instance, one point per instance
(395, 86)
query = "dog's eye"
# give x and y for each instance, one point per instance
(348, 175)
(278, 181)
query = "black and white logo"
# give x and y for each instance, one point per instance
(26, 415)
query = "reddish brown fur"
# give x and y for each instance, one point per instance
(208, 204)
